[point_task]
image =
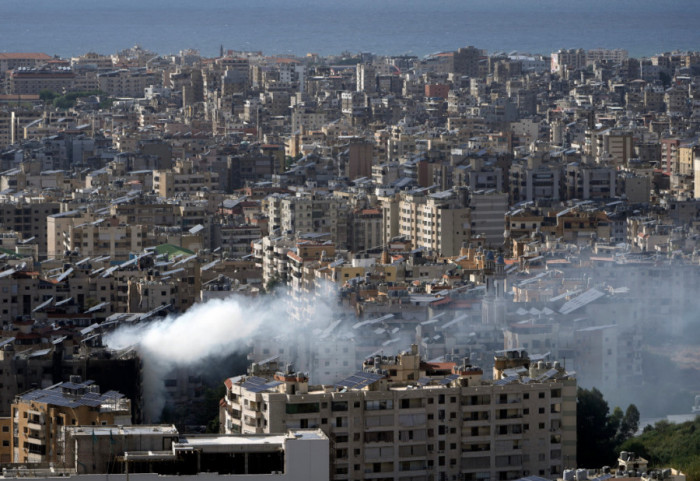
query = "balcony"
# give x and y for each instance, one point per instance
(36, 426)
(35, 439)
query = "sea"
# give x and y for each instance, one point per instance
(332, 27)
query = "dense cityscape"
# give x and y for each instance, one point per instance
(466, 266)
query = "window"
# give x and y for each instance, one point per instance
(339, 406)
(302, 408)
(379, 405)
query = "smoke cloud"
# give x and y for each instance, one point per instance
(213, 330)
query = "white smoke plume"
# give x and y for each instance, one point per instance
(211, 330)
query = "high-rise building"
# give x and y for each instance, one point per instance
(366, 78)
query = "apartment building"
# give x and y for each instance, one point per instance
(365, 230)
(29, 218)
(532, 180)
(309, 213)
(616, 55)
(608, 357)
(184, 177)
(13, 60)
(127, 83)
(38, 417)
(670, 161)
(105, 237)
(610, 145)
(589, 181)
(12, 123)
(571, 59)
(438, 222)
(23, 80)
(92, 61)
(401, 418)
(465, 61)
(487, 211)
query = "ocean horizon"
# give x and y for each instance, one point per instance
(384, 27)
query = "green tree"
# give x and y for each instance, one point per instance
(63, 103)
(630, 423)
(595, 429)
(600, 435)
(615, 420)
(668, 445)
(47, 95)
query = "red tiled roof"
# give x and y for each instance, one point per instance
(440, 302)
(19, 97)
(285, 60)
(24, 55)
(294, 256)
(440, 365)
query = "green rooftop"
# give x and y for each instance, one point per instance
(172, 250)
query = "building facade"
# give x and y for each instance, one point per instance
(404, 419)
(38, 417)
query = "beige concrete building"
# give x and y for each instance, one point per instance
(105, 237)
(309, 213)
(38, 417)
(570, 59)
(404, 419)
(438, 222)
(687, 152)
(29, 219)
(13, 60)
(127, 83)
(34, 80)
(184, 177)
(92, 60)
(5, 440)
(12, 123)
(610, 146)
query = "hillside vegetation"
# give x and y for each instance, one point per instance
(668, 445)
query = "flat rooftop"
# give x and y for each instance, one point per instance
(141, 429)
(230, 440)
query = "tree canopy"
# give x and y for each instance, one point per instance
(599, 432)
(667, 445)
